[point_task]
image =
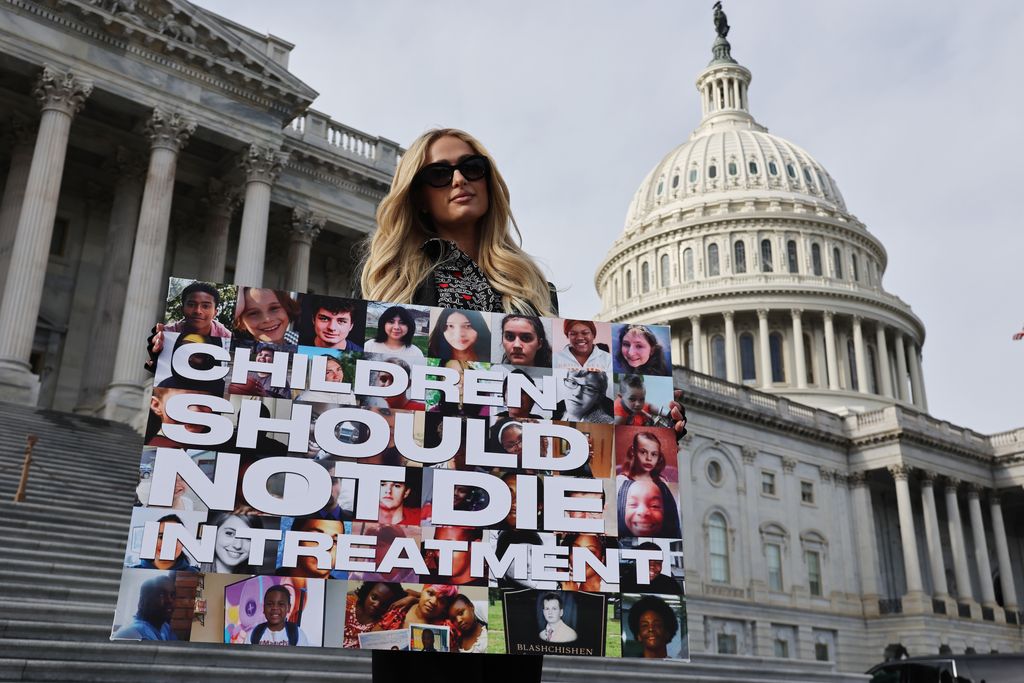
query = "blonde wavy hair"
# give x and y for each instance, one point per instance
(394, 265)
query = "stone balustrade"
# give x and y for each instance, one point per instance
(330, 135)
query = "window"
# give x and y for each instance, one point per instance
(726, 643)
(645, 277)
(778, 362)
(712, 171)
(664, 270)
(661, 185)
(712, 260)
(629, 284)
(766, 256)
(851, 354)
(837, 263)
(808, 359)
(675, 181)
(807, 492)
(718, 545)
(688, 264)
(791, 171)
(752, 167)
(739, 252)
(781, 648)
(714, 471)
(821, 652)
(816, 259)
(732, 168)
(718, 356)
(794, 266)
(768, 483)
(747, 367)
(693, 175)
(853, 267)
(773, 556)
(772, 168)
(807, 176)
(813, 560)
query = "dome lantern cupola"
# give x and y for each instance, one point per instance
(723, 86)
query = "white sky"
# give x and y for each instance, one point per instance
(913, 107)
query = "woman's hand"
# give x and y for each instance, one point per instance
(678, 413)
(154, 345)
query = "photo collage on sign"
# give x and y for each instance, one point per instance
(473, 538)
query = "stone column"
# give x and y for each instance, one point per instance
(23, 143)
(730, 348)
(988, 593)
(799, 362)
(221, 200)
(698, 350)
(61, 96)
(168, 133)
(964, 594)
(908, 537)
(883, 360)
(916, 378)
(305, 227)
(830, 352)
(860, 358)
(931, 529)
(262, 165)
(866, 537)
(1003, 555)
(901, 367)
(117, 260)
(766, 354)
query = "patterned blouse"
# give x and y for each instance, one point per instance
(460, 282)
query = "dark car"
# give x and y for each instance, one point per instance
(993, 668)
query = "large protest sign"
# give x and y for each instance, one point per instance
(330, 472)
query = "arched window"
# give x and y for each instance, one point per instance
(732, 168)
(713, 260)
(688, 264)
(645, 277)
(773, 168)
(739, 261)
(852, 355)
(766, 256)
(816, 258)
(675, 181)
(712, 171)
(837, 263)
(778, 361)
(629, 284)
(718, 356)
(791, 171)
(661, 185)
(718, 548)
(752, 167)
(693, 175)
(747, 368)
(808, 359)
(664, 270)
(794, 266)
(807, 176)
(854, 268)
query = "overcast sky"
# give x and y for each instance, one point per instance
(913, 107)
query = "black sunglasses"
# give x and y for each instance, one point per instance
(440, 174)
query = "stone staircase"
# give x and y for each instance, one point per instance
(58, 600)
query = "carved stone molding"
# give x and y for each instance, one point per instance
(263, 164)
(221, 197)
(826, 474)
(22, 132)
(169, 129)
(900, 471)
(749, 454)
(306, 225)
(126, 164)
(952, 484)
(856, 479)
(928, 477)
(61, 91)
(788, 465)
(974, 490)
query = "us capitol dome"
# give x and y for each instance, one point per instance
(742, 242)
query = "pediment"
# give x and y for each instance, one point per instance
(212, 48)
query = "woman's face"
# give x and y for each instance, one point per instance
(231, 549)
(584, 393)
(648, 453)
(512, 440)
(653, 632)
(263, 316)
(377, 600)
(463, 614)
(431, 603)
(581, 339)
(636, 349)
(462, 203)
(334, 371)
(396, 329)
(644, 513)
(459, 333)
(520, 341)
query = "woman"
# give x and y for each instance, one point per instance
(644, 459)
(365, 606)
(583, 397)
(460, 336)
(524, 341)
(231, 551)
(430, 608)
(266, 315)
(473, 631)
(654, 625)
(395, 331)
(581, 353)
(649, 509)
(640, 351)
(592, 580)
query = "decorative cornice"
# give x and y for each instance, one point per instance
(61, 91)
(169, 129)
